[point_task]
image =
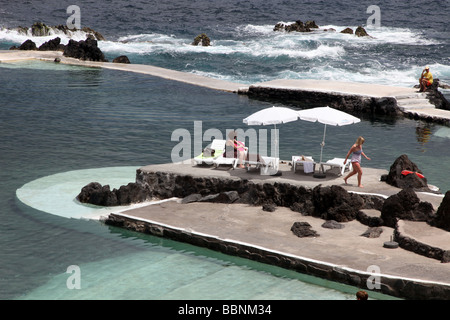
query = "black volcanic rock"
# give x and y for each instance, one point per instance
(397, 179)
(52, 45)
(303, 229)
(96, 194)
(347, 30)
(361, 32)
(39, 29)
(28, 45)
(335, 203)
(442, 219)
(121, 59)
(297, 26)
(406, 205)
(202, 39)
(84, 50)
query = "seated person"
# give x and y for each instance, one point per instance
(237, 149)
(426, 79)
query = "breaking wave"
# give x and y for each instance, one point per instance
(253, 53)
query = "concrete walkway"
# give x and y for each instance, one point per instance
(409, 100)
(339, 87)
(221, 85)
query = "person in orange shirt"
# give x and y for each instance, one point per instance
(426, 79)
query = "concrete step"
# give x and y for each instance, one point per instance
(415, 95)
(414, 101)
(417, 106)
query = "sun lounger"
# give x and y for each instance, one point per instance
(337, 163)
(307, 163)
(268, 166)
(206, 157)
(227, 161)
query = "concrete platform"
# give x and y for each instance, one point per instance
(341, 250)
(371, 178)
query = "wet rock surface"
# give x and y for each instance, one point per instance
(84, 50)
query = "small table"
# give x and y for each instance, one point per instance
(309, 166)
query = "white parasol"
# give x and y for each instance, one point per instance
(273, 115)
(327, 116)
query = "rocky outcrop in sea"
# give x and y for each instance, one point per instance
(202, 39)
(84, 50)
(310, 25)
(40, 29)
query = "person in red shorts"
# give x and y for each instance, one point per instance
(426, 79)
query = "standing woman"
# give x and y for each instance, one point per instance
(356, 151)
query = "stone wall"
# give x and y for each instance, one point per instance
(328, 203)
(396, 287)
(345, 102)
(418, 247)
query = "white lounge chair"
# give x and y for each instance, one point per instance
(268, 165)
(307, 163)
(338, 163)
(218, 146)
(227, 161)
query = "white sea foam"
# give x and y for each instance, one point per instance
(261, 42)
(381, 34)
(14, 36)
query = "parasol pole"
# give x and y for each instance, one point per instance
(323, 142)
(276, 140)
(321, 173)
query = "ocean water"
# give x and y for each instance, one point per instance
(67, 120)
